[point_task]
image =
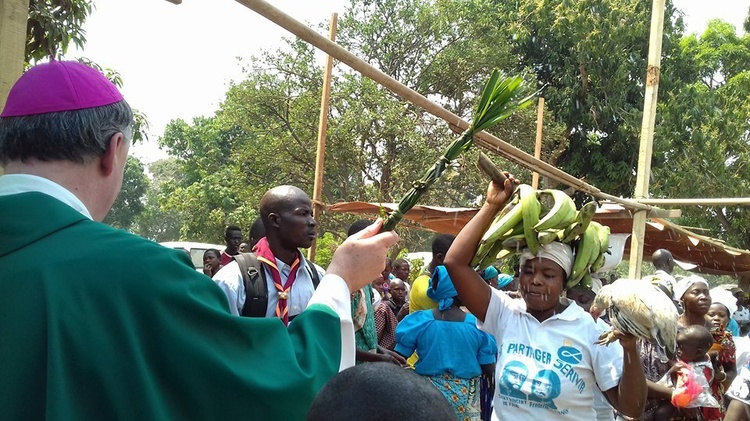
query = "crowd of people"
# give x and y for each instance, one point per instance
(98, 323)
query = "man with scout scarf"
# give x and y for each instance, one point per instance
(286, 212)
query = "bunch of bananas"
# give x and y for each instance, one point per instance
(526, 223)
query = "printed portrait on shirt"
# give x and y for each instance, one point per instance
(545, 387)
(512, 380)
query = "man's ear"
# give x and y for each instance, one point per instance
(439, 257)
(109, 159)
(273, 218)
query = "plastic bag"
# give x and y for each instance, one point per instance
(691, 389)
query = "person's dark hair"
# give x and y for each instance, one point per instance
(358, 226)
(379, 391)
(698, 333)
(257, 231)
(442, 243)
(582, 290)
(400, 261)
(216, 253)
(64, 135)
(231, 228)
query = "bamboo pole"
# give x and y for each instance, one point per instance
(538, 145)
(13, 17)
(483, 139)
(322, 129)
(647, 136)
(715, 201)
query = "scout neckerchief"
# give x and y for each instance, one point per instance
(265, 255)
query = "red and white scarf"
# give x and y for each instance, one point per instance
(265, 255)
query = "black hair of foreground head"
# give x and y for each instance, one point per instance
(378, 392)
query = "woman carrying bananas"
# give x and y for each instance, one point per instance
(548, 365)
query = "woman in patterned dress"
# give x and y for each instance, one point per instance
(453, 352)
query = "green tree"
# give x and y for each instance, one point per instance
(53, 25)
(702, 142)
(156, 222)
(591, 56)
(209, 193)
(129, 203)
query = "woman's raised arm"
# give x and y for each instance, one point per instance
(471, 288)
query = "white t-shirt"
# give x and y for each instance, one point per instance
(604, 411)
(548, 370)
(742, 315)
(742, 349)
(229, 279)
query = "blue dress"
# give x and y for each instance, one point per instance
(451, 354)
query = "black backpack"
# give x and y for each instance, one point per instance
(254, 278)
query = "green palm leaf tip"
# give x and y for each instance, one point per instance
(495, 104)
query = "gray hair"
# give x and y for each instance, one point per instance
(64, 135)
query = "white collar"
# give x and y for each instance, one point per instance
(24, 183)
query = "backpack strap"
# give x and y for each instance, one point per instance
(313, 271)
(254, 279)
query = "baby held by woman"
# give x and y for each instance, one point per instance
(690, 376)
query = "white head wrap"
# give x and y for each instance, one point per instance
(725, 297)
(685, 283)
(558, 252)
(596, 284)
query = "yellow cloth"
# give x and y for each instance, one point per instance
(418, 300)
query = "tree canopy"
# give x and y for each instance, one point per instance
(53, 25)
(703, 132)
(129, 204)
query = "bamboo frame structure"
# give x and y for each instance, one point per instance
(647, 135)
(318, 205)
(482, 139)
(714, 201)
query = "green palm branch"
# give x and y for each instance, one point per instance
(496, 104)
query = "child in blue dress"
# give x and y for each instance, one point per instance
(453, 352)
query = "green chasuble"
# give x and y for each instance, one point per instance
(99, 324)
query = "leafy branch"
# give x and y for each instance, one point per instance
(496, 104)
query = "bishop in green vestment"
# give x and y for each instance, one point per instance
(99, 324)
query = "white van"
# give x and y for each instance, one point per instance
(195, 250)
